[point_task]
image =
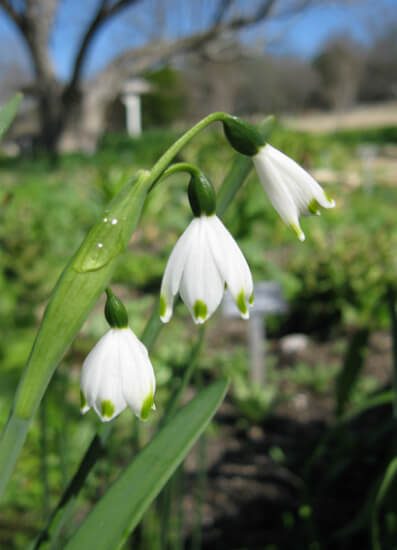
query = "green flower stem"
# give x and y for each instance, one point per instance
(233, 181)
(119, 511)
(169, 155)
(63, 511)
(174, 401)
(95, 450)
(77, 290)
(16, 428)
(181, 167)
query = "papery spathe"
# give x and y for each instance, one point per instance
(204, 259)
(116, 373)
(291, 190)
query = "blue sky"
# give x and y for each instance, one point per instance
(302, 35)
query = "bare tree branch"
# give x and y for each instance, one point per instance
(17, 17)
(220, 13)
(134, 61)
(103, 13)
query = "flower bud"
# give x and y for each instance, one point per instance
(201, 195)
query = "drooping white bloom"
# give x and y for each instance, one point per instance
(291, 190)
(117, 372)
(204, 259)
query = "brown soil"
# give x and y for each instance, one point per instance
(260, 490)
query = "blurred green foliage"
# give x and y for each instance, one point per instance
(334, 281)
(166, 101)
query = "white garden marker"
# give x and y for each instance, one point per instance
(131, 97)
(268, 299)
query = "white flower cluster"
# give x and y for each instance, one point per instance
(205, 260)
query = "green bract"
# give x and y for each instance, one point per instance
(115, 312)
(201, 195)
(242, 136)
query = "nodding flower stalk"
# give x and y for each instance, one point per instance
(82, 281)
(291, 190)
(117, 372)
(205, 259)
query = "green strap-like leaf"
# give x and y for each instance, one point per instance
(119, 511)
(352, 366)
(387, 490)
(76, 292)
(8, 112)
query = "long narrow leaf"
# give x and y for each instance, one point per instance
(351, 368)
(233, 181)
(387, 489)
(76, 292)
(119, 511)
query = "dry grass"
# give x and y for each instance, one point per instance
(363, 116)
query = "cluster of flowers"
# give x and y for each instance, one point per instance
(205, 260)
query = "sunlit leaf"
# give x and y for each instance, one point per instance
(122, 507)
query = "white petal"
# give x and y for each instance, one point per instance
(302, 186)
(276, 188)
(100, 378)
(102, 354)
(138, 381)
(110, 401)
(201, 286)
(231, 264)
(174, 269)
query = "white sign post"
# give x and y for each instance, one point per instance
(131, 97)
(268, 299)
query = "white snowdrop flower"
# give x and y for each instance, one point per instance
(117, 372)
(204, 259)
(291, 190)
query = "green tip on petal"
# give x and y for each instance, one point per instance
(251, 299)
(242, 303)
(298, 231)
(329, 199)
(314, 207)
(83, 403)
(200, 311)
(163, 306)
(107, 409)
(147, 406)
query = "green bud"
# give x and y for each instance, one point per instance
(115, 312)
(201, 195)
(242, 136)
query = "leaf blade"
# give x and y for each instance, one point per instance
(122, 507)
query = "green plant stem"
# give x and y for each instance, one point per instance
(94, 452)
(186, 167)
(119, 511)
(17, 430)
(44, 458)
(200, 492)
(174, 401)
(165, 160)
(67, 311)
